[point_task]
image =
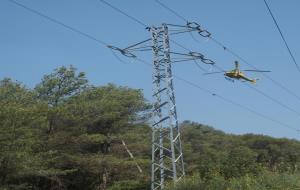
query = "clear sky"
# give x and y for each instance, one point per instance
(32, 46)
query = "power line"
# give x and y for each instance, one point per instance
(233, 53)
(273, 99)
(238, 104)
(281, 34)
(133, 18)
(255, 89)
(221, 69)
(265, 95)
(179, 78)
(143, 24)
(198, 65)
(58, 22)
(226, 99)
(251, 65)
(118, 58)
(123, 13)
(225, 48)
(171, 10)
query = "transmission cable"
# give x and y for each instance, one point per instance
(143, 61)
(227, 100)
(254, 67)
(232, 52)
(273, 99)
(123, 13)
(225, 48)
(141, 23)
(282, 36)
(253, 88)
(58, 22)
(171, 10)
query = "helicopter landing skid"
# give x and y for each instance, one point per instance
(229, 79)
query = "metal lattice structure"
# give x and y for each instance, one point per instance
(167, 157)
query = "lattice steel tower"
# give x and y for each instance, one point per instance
(167, 157)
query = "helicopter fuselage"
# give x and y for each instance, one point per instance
(236, 74)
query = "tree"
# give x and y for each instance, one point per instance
(66, 134)
(21, 123)
(56, 87)
(240, 162)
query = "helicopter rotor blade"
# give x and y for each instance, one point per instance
(249, 70)
(212, 73)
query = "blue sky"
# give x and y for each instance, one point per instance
(31, 46)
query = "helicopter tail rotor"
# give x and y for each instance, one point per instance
(254, 80)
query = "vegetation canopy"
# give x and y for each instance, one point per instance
(67, 134)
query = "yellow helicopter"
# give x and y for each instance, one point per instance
(238, 74)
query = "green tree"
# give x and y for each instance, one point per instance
(67, 134)
(56, 87)
(21, 123)
(240, 162)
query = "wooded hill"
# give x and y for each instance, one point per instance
(67, 134)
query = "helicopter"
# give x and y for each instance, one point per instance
(237, 74)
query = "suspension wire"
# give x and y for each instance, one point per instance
(255, 89)
(195, 61)
(58, 22)
(194, 38)
(139, 43)
(143, 24)
(266, 95)
(145, 62)
(178, 15)
(123, 13)
(254, 67)
(274, 100)
(198, 66)
(171, 10)
(282, 36)
(118, 58)
(219, 68)
(227, 100)
(233, 53)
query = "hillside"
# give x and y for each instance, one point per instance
(67, 134)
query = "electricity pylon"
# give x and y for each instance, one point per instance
(167, 158)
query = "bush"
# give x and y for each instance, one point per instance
(264, 181)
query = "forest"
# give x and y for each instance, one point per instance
(67, 134)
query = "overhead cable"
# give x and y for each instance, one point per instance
(143, 61)
(133, 18)
(123, 13)
(282, 36)
(232, 52)
(58, 22)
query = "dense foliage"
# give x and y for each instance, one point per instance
(264, 181)
(68, 134)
